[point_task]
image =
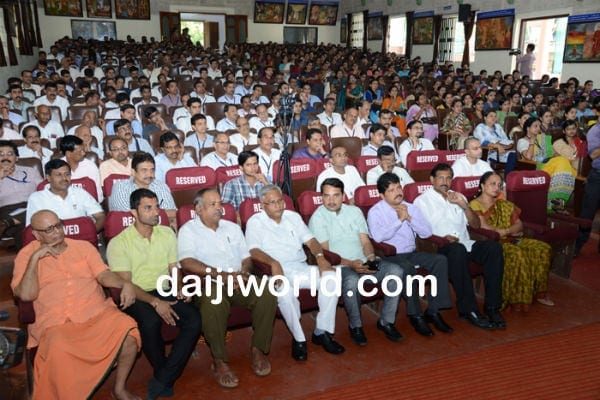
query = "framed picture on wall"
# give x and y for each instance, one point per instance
(63, 8)
(494, 30)
(98, 30)
(132, 9)
(296, 12)
(98, 8)
(374, 28)
(269, 12)
(323, 13)
(583, 39)
(423, 30)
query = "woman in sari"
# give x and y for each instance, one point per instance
(424, 112)
(537, 146)
(354, 92)
(526, 261)
(395, 103)
(457, 125)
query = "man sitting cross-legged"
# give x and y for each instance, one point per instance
(224, 254)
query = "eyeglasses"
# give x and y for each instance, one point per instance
(7, 154)
(48, 230)
(220, 142)
(119, 149)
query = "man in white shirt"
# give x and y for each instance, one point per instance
(52, 99)
(33, 145)
(221, 157)
(244, 137)
(275, 237)
(74, 154)
(262, 119)
(267, 155)
(229, 97)
(385, 118)
(6, 114)
(200, 93)
(387, 163)
(228, 122)
(344, 172)
(49, 129)
(27, 83)
(245, 89)
(227, 255)
(123, 130)
(415, 141)
(199, 139)
(328, 117)
(182, 116)
(214, 72)
(65, 200)
(449, 214)
(349, 128)
(90, 120)
(377, 138)
(7, 133)
(471, 164)
(364, 113)
(172, 156)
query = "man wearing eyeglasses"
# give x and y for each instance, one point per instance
(16, 184)
(119, 161)
(221, 157)
(172, 156)
(62, 198)
(244, 137)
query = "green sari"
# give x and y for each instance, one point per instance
(526, 261)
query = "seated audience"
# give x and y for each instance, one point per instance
(134, 143)
(340, 169)
(228, 122)
(74, 154)
(140, 254)
(526, 261)
(119, 161)
(51, 98)
(7, 133)
(471, 164)
(84, 133)
(349, 128)
(48, 128)
(423, 111)
(315, 147)
(395, 104)
(500, 147)
(156, 122)
(248, 184)
(221, 157)
(267, 155)
(377, 138)
(449, 215)
(62, 198)
(275, 237)
(415, 141)
(387, 163)
(172, 156)
(126, 112)
(262, 119)
(229, 255)
(397, 223)
(457, 125)
(328, 117)
(199, 139)
(243, 137)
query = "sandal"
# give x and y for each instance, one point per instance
(226, 379)
(545, 301)
(261, 366)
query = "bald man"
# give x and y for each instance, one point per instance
(49, 129)
(77, 329)
(84, 133)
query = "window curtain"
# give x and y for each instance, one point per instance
(385, 30)
(12, 54)
(409, 29)
(32, 30)
(437, 30)
(365, 38)
(27, 45)
(2, 55)
(38, 32)
(469, 24)
(349, 30)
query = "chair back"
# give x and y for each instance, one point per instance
(85, 183)
(413, 190)
(249, 207)
(190, 178)
(528, 190)
(308, 202)
(467, 185)
(81, 228)
(109, 182)
(117, 221)
(366, 197)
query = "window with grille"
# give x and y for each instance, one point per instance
(357, 33)
(452, 41)
(397, 35)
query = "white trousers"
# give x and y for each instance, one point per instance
(289, 305)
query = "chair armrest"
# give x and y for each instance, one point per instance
(483, 234)
(26, 311)
(383, 249)
(261, 268)
(535, 228)
(431, 244)
(582, 222)
(115, 295)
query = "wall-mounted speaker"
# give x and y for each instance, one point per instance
(464, 12)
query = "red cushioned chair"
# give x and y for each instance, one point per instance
(185, 182)
(109, 182)
(85, 183)
(529, 191)
(249, 207)
(225, 174)
(187, 212)
(116, 221)
(365, 163)
(308, 202)
(303, 171)
(413, 190)
(420, 163)
(365, 197)
(81, 228)
(324, 163)
(467, 185)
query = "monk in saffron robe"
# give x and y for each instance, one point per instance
(80, 334)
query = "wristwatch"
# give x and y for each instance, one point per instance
(318, 255)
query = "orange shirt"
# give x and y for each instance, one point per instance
(68, 289)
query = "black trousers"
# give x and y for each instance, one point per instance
(489, 254)
(167, 368)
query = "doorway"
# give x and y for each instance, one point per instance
(548, 34)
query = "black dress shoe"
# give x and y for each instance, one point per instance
(358, 336)
(478, 320)
(418, 322)
(330, 345)
(439, 323)
(495, 318)
(299, 351)
(390, 331)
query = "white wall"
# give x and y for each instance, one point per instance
(425, 51)
(24, 62)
